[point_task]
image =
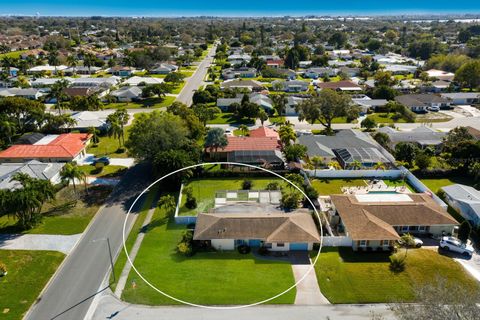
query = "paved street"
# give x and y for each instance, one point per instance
(111, 308)
(196, 80)
(78, 280)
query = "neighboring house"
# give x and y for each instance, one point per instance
(48, 82)
(82, 70)
(85, 82)
(261, 147)
(251, 85)
(465, 200)
(366, 103)
(127, 94)
(80, 91)
(45, 69)
(421, 102)
(272, 61)
(347, 147)
(87, 119)
(13, 72)
(235, 59)
(33, 168)
(135, 81)
(51, 148)
(164, 68)
(121, 71)
(436, 86)
(288, 74)
(292, 103)
(290, 86)
(421, 136)
(474, 132)
(261, 99)
(400, 69)
(345, 85)
(318, 72)
(377, 220)
(350, 71)
(462, 98)
(295, 231)
(440, 75)
(242, 72)
(28, 93)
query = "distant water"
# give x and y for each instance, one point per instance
(235, 8)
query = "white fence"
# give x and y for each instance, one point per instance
(333, 241)
(338, 174)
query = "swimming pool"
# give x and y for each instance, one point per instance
(383, 192)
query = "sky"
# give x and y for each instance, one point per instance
(233, 8)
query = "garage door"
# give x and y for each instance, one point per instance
(298, 246)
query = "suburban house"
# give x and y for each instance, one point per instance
(474, 132)
(236, 59)
(242, 72)
(50, 148)
(127, 94)
(87, 119)
(319, 72)
(422, 136)
(80, 91)
(164, 68)
(292, 103)
(82, 70)
(344, 85)
(46, 69)
(261, 99)
(251, 85)
(33, 168)
(28, 93)
(400, 69)
(377, 220)
(466, 200)
(290, 86)
(261, 147)
(462, 98)
(435, 86)
(103, 83)
(121, 71)
(272, 61)
(274, 231)
(136, 80)
(366, 103)
(440, 75)
(421, 102)
(348, 147)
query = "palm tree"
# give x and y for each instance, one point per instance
(280, 102)
(379, 166)
(287, 135)
(115, 128)
(71, 172)
(335, 165)
(215, 139)
(52, 59)
(262, 116)
(94, 132)
(57, 92)
(317, 162)
(8, 129)
(168, 203)
(72, 62)
(123, 117)
(88, 60)
(243, 129)
(355, 165)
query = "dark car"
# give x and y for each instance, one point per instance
(104, 160)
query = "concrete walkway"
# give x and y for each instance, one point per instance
(122, 281)
(308, 291)
(60, 243)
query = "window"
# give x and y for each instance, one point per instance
(413, 228)
(280, 244)
(422, 228)
(385, 243)
(404, 228)
(363, 243)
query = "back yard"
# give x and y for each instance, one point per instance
(348, 277)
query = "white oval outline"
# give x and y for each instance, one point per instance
(312, 265)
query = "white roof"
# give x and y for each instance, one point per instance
(134, 81)
(47, 68)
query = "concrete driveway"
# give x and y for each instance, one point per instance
(60, 243)
(126, 162)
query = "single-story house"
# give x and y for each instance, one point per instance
(400, 68)
(291, 85)
(435, 86)
(242, 72)
(422, 136)
(81, 91)
(87, 119)
(235, 59)
(35, 169)
(48, 82)
(288, 74)
(136, 80)
(127, 94)
(121, 71)
(82, 70)
(261, 147)
(12, 71)
(261, 99)
(440, 75)
(345, 85)
(350, 71)
(466, 200)
(474, 132)
(462, 98)
(86, 82)
(420, 102)
(51, 148)
(164, 68)
(377, 220)
(366, 103)
(292, 103)
(275, 231)
(45, 69)
(251, 85)
(28, 93)
(319, 72)
(347, 147)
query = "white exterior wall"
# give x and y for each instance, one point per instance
(286, 247)
(223, 244)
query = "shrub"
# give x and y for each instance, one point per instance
(262, 251)
(273, 186)
(99, 167)
(247, 184)
(3, 269)
(243, 249)
(290, 200)
(397, 264)
(191, 202)
(185, 248)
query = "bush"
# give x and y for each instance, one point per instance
(397, 264)
(263, 251)
(185, 248)
(99, 167)
(247, 184)
(191, 202)
(243, 249)
(273, 186)
(3, 269)
(290, 200)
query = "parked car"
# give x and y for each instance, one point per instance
(104, 160)
(434, 108)
(455, 245)
(418, 242)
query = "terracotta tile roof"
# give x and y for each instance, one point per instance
(264, 132)
(271, 227)
(251, 143)
(375, 220)
(338, 85)
(67, 145)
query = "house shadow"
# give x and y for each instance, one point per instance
(348, 255)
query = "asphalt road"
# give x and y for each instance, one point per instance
(77, 281)
(196, 80)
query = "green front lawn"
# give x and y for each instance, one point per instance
(28, 273)
(435, 184)
(348, 277)
(107, 171)
(229, 118)
(211, 278)
(187, 73)
(204, 191)
(334, 186)
(178, 88)
(64, 215)
(153, 103)
(383, 117)
(108, 146)
(12, 54)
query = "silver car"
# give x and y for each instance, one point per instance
(455, 245)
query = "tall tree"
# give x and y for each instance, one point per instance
(215, 139)
(71, 172)
(57, 92)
